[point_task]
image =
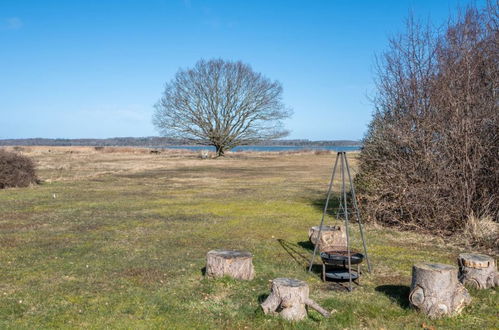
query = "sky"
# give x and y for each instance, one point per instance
(95, 69)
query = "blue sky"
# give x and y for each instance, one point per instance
(83, 69)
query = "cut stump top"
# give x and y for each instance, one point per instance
(435, 267)
(326, 228)
(283, 281)
(476, 260)
(231, 254)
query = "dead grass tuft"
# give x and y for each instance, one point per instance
(482, 232)
(144, 275)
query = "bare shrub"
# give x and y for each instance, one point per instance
(431, 155)
(16, 170)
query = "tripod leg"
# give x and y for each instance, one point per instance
(357, 212)
(344, 191)
(324, 212)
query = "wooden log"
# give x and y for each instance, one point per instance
(331, 236)
(478, 270)
(436, 290)
(236, 264)
(289, 298)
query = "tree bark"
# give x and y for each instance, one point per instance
(220, 150)
(478, 270)
(289, 298)
(436, 290)
(331, 237)
(236, 264)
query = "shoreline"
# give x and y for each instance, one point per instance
(180, 148)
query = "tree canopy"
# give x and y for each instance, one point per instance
(223, 104)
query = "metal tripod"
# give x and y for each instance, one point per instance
(342, 157)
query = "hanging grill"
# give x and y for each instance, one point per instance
(339, 257)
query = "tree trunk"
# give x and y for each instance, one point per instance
(236, 264)
(288, 298)
(331, 237)
(220, 150)
(478, 270)
(436, 290)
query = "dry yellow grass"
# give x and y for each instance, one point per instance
(73, 163)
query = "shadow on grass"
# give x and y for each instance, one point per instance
(340, 286)
(307, 245)
(316, 269)
(203, 271)
(398, 293)
(333, 205)
(262, 297)
(296, 252)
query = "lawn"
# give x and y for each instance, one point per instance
(118, 240)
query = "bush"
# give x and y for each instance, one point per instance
(430, 158)
(16, 170)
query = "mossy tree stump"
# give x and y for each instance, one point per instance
(331, 236)
(478, 270)
(436, 290)
(236, 264)
(288, 298)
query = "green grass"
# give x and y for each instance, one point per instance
(126, 250)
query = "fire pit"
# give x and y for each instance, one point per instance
(340, 257)
(337, 259)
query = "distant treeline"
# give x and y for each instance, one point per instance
(157, 142)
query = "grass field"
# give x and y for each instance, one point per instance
(118, 240)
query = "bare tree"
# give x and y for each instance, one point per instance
(431, 156)
(223, 104)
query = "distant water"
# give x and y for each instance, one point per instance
(270, 148)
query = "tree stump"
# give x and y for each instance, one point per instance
(288, 298)
(478, 270)
(236, 264)
(436, 290)
(331, 236)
